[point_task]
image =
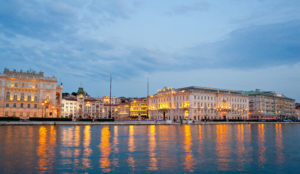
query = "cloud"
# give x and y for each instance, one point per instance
(67, 39)
(251, 47)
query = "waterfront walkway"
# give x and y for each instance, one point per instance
(125, 123)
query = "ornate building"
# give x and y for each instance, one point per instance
(269, 105)
(82, 106)
(197, 103)
(110, 107)
(29, 94)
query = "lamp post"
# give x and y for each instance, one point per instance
(43, 109)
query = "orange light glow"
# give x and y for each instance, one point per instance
(189, 159)
(86, 145)
(261, 143)
(105, 149)
(152, 147)
(41, 150)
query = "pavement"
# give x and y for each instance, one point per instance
(2, 123)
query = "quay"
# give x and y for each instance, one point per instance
(3, 123)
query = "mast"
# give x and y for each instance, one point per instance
(147, 100)
(110, 97)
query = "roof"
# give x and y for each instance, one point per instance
(80, 91)
(206, 89)
(266, 93)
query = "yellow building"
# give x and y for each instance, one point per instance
(136, 109)
(197, 103)
(29, 94)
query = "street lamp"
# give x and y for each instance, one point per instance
(43, 109)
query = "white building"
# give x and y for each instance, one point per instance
(82, 106)
(198, 103)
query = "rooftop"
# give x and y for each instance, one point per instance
(266, 93)
(206, 89)
(29, 74)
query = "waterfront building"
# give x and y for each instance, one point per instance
(269, 105)
(123, 110)
(29, 94)
(82, 106)
(134, 109)
(110, 107)
(198, 103)
(298, 110)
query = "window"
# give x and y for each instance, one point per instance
(36, 85)
(28, 106)
(23, 85)
(7, 105)
(29, 97)
(22, 96)
(14, 105)
(16, 84)
(35, 98)
(21, 105)
(15, 96)
(7, 95)
(35, 105)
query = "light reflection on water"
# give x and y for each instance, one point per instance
(152, 148)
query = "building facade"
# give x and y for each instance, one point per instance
(298, 110)
(82, 106)
(110, 108)
(135, 109)
(198, 103)
(29, 94)
(270, 105)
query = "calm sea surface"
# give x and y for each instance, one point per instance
(151, 149)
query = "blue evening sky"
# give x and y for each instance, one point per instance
(231, 44)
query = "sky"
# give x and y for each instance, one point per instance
(228, 44)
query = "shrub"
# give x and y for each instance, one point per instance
(49, 119)
(85, 119)
(9, 119)
(105, 119)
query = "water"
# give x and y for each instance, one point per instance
(150, 148)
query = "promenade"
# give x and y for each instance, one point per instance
(3, 123)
